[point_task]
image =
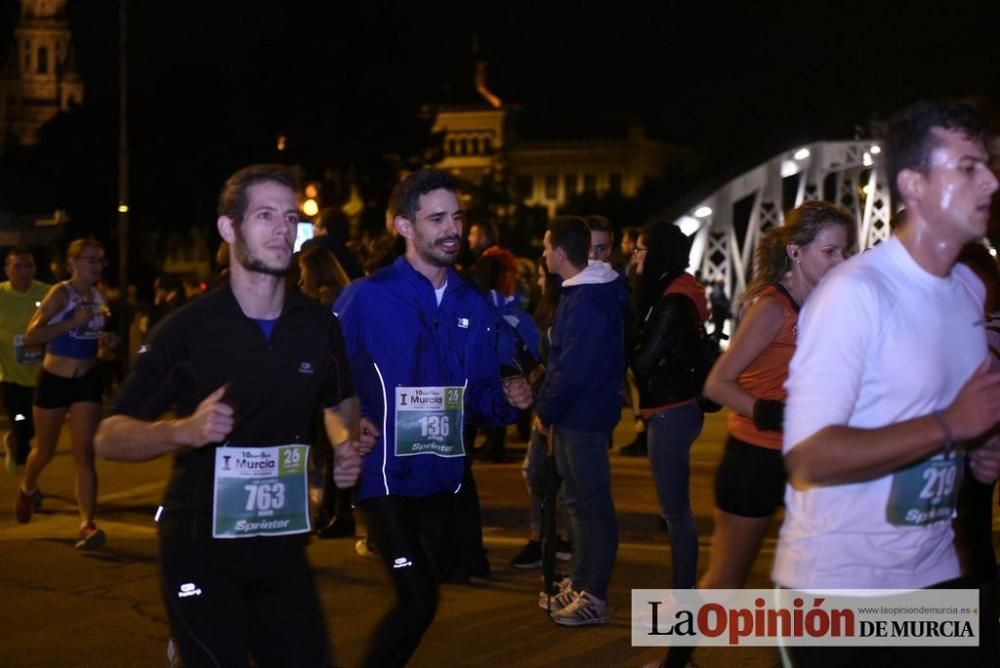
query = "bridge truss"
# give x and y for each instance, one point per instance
(849, 173)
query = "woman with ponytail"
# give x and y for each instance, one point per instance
(749, 379)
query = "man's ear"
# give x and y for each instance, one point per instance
(910, 184)
(404, 227)
(558, 255)
(227, 229)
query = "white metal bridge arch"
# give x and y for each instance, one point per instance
(850, 173)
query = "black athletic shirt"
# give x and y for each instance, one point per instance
(274, 386)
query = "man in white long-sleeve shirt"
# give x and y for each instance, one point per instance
(889, 390)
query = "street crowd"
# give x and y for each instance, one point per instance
(303, 388)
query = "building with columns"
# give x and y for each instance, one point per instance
(39, 78)
(482, 141)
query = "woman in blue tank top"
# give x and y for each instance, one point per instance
(70, 323)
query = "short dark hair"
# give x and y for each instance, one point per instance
(631, 233)
(405, 199)
(489, 229)
(601, 224)
(233, 198)
(911, 138)
(331, 219)
(18, 250)
(572, 234)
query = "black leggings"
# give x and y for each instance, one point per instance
(227, 599)
(412, 535)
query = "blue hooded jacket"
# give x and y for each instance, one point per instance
(514, 327)
(396, 335)
(586, 369)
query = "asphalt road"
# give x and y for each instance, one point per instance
(61, 607)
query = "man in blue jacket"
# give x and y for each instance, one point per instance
(581, 401)
(422, 345)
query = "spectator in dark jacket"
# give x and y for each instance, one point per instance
(581, 401)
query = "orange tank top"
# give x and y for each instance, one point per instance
(764, 378)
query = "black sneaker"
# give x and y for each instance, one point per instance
(480, 568)
(530, 556)
(338, 527)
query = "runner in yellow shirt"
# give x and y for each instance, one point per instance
(20, 296)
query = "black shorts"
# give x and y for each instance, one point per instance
(55, 391)
(750, 481)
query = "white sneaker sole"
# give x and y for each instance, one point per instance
(573, 620)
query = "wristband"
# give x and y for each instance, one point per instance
(768, 414)
(949, 439)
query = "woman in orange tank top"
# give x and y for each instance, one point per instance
(749, 379)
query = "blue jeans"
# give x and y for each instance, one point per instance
(533, 470)
(582, 461)
(669, 438)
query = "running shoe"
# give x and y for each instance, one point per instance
(90, 537)
(562, 594)
(530, 556)
(585, 610)
(27, 504)
(338, 527)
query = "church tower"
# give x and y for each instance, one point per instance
(40, 77)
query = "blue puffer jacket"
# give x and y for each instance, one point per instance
(586, 369)
(397, 336)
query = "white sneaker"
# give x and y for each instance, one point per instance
(558, 601)
(583, 611)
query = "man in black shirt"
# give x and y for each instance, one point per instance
(242, 368)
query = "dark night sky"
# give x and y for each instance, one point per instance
(213, 81)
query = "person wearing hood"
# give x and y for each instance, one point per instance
(665, 359)
(580, 401)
